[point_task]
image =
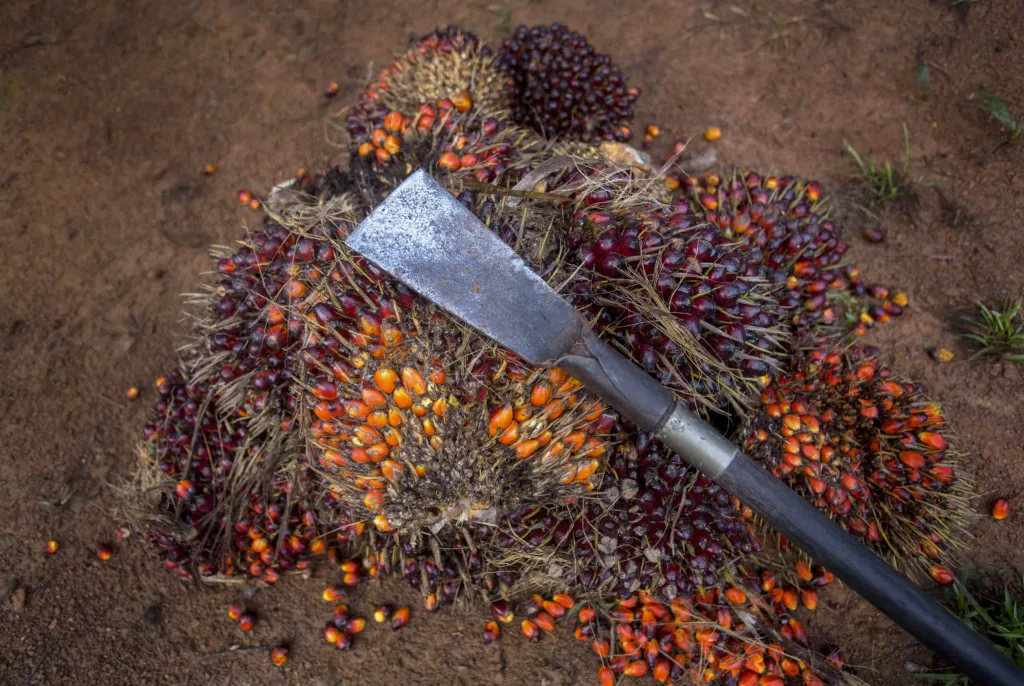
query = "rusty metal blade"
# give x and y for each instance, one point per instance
(425, 238)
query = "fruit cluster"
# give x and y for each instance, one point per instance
(325, 413)
(559, 85)
(867, 448)
(676, 294)
(781, 226)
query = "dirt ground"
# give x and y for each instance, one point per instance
(108, 111)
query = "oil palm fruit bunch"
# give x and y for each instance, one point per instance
(451, 135)
(781, 225)
(195, 498)
(560, 86)
(441, 65)
(724, 635)
(219, 477)
(419, 421)
(867, 448)
(677, 295)
(656, 525)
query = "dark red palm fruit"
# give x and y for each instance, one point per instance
(560, 86)
(865, 447)
(679, 297)
(662, 527)
(783, 228)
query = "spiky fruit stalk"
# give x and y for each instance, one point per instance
(561, 87)
(868, 449)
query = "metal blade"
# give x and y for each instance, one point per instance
(425, 238)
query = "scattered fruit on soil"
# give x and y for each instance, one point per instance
(1000, 508)
(874, 234)
(279, 654)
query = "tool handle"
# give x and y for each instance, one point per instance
(851, 561)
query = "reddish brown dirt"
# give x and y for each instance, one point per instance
(105, 220)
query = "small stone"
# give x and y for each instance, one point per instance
(18, 600)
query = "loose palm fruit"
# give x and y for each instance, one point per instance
(104, 552)
(712, 133)
(51, 547)
(132, 393)
(209, 169)
(279, 654)
(236, 611)
(246, 621)
(333, 593)
(502, 612)
(491, 632)
(874, 234)
(1000, 508)
(400, 618)
(560, 86)
(332, 634)
(530, 630)
(941, 575)
(382, 614)
(544, 621)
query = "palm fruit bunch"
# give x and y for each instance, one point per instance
(419, 421)
(676, 294)
(865, 447)
(451, 135)
(781, 226)
(723, 635)
(218, 483)
(441, 65)
(657, 526)
(560, 86)
(324, 408)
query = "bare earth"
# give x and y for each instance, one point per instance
(108, 111)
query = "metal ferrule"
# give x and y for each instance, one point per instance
(697, 442)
